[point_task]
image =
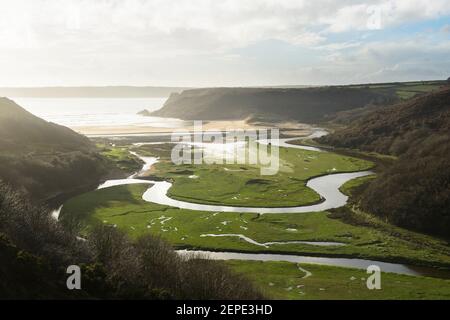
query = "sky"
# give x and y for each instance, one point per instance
(207, 43)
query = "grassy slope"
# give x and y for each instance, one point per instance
(284, 280)
(243, 185)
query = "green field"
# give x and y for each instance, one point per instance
(349, 186)
(409, 91)
(284, 280)
(364, 236)
(406, 90)
(243, 185)
(123, 207)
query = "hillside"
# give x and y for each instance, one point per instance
(305, 105)
(42, 158)
(392, 129)
(415, 191)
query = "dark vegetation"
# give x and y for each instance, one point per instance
(258, 104)
(413, 192)
(45, 159)
(35, 251)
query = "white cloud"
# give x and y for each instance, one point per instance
(71, 40)
(230, 22)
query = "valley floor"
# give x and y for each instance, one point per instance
(344, 232)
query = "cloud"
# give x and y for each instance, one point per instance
(160, 40)
(230, 22)
(404, 59)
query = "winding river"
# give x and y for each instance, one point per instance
(326, 186)
(336, 262)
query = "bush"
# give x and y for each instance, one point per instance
(152, 269)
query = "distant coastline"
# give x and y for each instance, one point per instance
(90, 92)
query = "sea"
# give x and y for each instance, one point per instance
(98, 112)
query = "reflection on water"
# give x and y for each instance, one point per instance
(268, 244)
(56, 212)
(148, 163)
(121, 182)
(327, 187)
(338, 262)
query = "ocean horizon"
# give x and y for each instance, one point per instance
(100, 112)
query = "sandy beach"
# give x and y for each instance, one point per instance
(288, 128)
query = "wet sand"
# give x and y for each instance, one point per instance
(285, 127)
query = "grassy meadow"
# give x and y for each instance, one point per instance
(243, 185)
(123, 207)
(291, 281)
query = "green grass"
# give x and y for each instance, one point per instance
(243, 185)
(406, 90)
(410, 91)
(284, 280)
(123, 206)
(404, 95)
(349, 186)
(121, 157)
(370, 156)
